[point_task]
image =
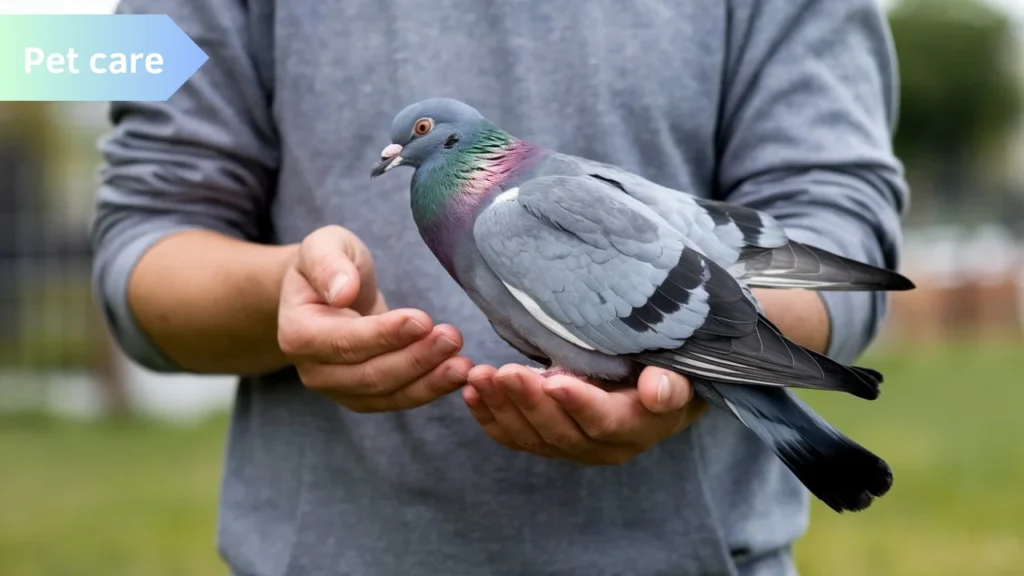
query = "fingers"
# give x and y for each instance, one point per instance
(670, 394)
(507, 416)
(296, 291)
(443, 380)
(616, 417)
(525, 388)
(338, 267)
(513, 409)
(662, 391)
(557, 427)
(476, 405)
(333, 324)
(479, 410)
(387, 373)
(339, 338)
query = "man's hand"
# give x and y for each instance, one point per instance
(334, 325)
(563, 417)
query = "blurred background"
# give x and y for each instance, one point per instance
(106, 468)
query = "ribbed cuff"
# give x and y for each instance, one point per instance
(111, 288)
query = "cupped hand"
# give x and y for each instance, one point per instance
(565, 417)
(335, 327)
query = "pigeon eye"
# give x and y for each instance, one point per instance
(422, 126)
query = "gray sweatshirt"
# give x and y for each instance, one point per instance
(783, 105)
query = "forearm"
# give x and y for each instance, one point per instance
(209, 302)
(185, 183)
(800, 315)
(808, 112)
(843, 215)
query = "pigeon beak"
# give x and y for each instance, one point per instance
(389, 158)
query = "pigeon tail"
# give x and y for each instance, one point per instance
(838, 471)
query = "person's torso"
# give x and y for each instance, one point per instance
(313, 489)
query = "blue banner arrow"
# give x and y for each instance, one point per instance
(94, 57)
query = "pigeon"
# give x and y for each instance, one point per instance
(593, 271)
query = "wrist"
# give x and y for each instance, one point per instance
(282, 259)
(801, 315)
(268, 269)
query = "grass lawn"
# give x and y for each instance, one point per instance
(135, 498)
(112, 499)
(949, 423)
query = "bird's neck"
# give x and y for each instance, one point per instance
(449, 192)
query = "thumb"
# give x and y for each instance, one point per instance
(339, 268)
(662, 391)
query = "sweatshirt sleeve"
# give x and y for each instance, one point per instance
(805, 134)
(205, 159)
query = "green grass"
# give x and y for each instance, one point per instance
(949, 423)
(136, 498)
(126, 498)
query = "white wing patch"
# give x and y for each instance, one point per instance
(539, 315)
(766, 280)
(716, 369)
(509, 195)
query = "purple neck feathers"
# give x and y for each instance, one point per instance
(469, 180)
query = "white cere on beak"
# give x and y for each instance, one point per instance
(392, 151)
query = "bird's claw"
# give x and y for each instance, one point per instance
(552, 371)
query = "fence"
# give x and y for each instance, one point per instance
(49, 327)
(970, 284)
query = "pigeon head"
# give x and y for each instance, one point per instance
(426, 130)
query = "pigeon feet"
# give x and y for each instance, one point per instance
(629, 382)
(553, 371)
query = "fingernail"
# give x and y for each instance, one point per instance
(337, 284)
(444, 345)
(412, 329)
(664, 391)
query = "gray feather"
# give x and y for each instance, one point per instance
(751, 244)
(592, 259)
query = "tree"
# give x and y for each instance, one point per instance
(960, 91)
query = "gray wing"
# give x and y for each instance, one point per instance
(605, 272)
(606, 269)
(751, 244)
(719, 230)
